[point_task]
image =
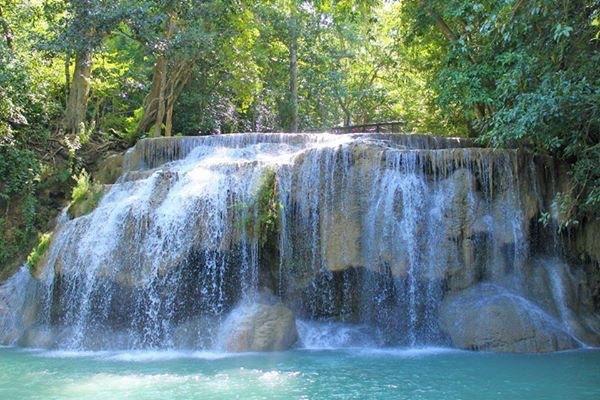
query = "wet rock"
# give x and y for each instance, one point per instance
(487, 317)
(196, 332)
(87, 203)
(10, 333)
(38, 337)
(585, 241)
(18, 308)
(259, 327)
(342, 237)
(109, 169)
(592, 322)
(461, 203)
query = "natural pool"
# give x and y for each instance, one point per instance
(428, 373)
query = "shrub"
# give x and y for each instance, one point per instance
(85, 196)
(37, 254)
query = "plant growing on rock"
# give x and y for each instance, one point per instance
(85, 196)
(262, 221)
(37, 254)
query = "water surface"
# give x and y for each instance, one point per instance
(428, 373)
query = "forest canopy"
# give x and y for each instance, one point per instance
(81, 79)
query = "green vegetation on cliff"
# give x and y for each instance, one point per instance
(37, 254)
(80, 80)
(85, 196)
(262, 220)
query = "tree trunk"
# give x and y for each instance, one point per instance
(161, 65)
(150, 103)
(155, 104)
(293, 101)
(345, 110)
(170, 79)
(67, 75)
(78, 92)
(169, 121)
(347, 118)
(169, 117)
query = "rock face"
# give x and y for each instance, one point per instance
(109, 169)
(18, 309)
(487, 317)
(374, 230)
(259, 327)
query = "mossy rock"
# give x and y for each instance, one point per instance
(262, 221)
(38, 254)
(87, 203)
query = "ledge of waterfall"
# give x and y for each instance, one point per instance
(369, 240)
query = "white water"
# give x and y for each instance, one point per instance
(335, 335)
(372, 230)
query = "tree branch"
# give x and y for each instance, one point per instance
(439, 22)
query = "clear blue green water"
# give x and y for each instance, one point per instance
(303, 374)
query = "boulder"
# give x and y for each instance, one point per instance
(488, 317)
(259, 327)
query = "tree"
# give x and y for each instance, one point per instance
(528, 70)
(182, 39)
(90, 21)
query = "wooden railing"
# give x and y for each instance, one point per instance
(380, 127)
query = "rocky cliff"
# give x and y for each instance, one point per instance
(414, 240)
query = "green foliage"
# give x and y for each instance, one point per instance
(520, 73)
(19, 169)
(27, 109)
(129, 132)
(262, 216)
(565, 207)
(83, 185)
(85, 196)
(118, 81)
(37, 254)
(509, 72)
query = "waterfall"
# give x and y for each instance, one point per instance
(369, 234)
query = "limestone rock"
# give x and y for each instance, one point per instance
(458, 213)
(18, 308)
(109, 169)
(259, 327)
(88, 203)
(342, 235)
(586, 242)
(487, 317)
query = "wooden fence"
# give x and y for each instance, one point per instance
(380, 127)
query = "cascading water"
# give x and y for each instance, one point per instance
(372, 234)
